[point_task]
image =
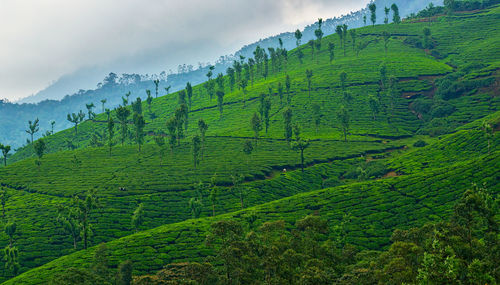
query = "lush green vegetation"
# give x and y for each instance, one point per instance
(392, 133)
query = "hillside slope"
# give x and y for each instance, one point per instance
(437, 90)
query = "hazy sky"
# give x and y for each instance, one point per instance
(41, 40)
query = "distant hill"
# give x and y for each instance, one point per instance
(68, 94)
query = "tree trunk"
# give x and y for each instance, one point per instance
(74, 242)
(302, 159)
(213, 210)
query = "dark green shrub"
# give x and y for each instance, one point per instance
(420, 143)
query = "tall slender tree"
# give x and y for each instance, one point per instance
(157, 83)
(84, 208)
(287, 118)
(189, 91)
(168, 89)
(111, 133)
(331, 51)
(316, 108)
(202, 127)
(344, 37)
(288, 85)
(373, 10)
(386, 36)
(374, 106)
(340, 33)
(298, 37)
(309, 75)
(343, 118)
(301, 146)
(122, 114)
(395, 13)
(5, 151)
(386, 19)
(196, 150)
(40, 147)
(352, 32)
(160, 142)
(33, 128)
(138, 217)
(103, 101)
(90, 107)
(220, 101)
(139, 124)
(256, 125)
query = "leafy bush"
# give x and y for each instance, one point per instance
(420, 143)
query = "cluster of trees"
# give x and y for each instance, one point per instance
(101, 272)
(463, 250)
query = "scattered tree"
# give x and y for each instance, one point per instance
(157, 83)
(124, 274)
(196, 150)
(149, 101)
(247, 148)
(220, 100)
(168, 89)
(4, 196)
(122, 114)
(5, 151)
(90, 107)
(344, 37)
(237, 187)
(172, 132)
(40, 147)
(352, 32)
(69, 220)
(103, 101)
(386, 19)
(287, 118)
(373, 11)
(298, 37)
(256, 124)
(288, 85)
(312, 46)
(373, 102)
(189, 91)
(488, 133)
(84, 209)
(395, 11)
(301, 145)
(52, 123)
(331, 51)
(364, 20)
(33, 127)
(386, 36)
(76, 119)
(111, 133)
(139, 124)
(309, 75)
(316, 108)
(160, 142)
(195, 206)
(138, 217)
(427, 35)
(343, 117)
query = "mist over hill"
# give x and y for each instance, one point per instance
(72, 92)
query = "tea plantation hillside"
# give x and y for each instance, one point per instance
(460, 68)
(375, 209)
(394, 126)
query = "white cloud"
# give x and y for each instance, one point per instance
(42, 40)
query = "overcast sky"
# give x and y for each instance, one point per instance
(41, 40)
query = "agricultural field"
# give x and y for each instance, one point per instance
(401, 164)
